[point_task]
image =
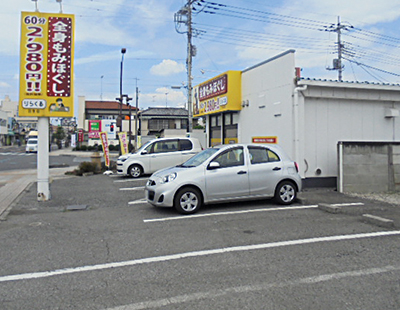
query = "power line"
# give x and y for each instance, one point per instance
(269, 41)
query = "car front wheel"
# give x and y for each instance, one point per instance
(135, 171)
(188, 200)
(285, 193)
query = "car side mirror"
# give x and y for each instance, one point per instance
(213, 165)
(144, 152)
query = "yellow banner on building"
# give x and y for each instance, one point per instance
(46, 65)
(219, 94)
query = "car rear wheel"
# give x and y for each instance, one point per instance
(135, 171)
(188, 200)
(285, 193)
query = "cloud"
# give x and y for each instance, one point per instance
(4, 84)
(167, 67)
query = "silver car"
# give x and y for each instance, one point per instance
(226, 173)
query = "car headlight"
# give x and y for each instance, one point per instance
(122, 158)
(169, 178)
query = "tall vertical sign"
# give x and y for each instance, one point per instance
(46, 65)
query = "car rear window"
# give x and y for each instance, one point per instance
(260, 155)
(166, 146)
(185, 145)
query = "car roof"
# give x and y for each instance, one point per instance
(173, 138)
(274, 147)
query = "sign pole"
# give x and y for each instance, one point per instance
(43, 190)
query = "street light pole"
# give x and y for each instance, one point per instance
(123, 51)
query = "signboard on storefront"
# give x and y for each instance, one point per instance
(94, 129)
(46, 65)
(272, 140)
(220, 94)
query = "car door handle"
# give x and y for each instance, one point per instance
(242, 172)
(277, 168)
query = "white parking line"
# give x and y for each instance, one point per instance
(185, 217)
(129, 180)
(131, 188)
(165, 258)
(347, 204)
(182, 299)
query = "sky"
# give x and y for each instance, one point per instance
(228, 35)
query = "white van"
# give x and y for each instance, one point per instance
(31, 145)
(158, 154)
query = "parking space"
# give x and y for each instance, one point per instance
(249, 251)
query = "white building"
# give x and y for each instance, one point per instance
(306, 117)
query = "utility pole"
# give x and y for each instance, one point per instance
(184, 15)
(136, 116)
(339, 43)
(337, 63)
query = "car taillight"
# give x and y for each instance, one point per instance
(297, 166)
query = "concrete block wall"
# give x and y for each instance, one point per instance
(367, 167)
(396, 167)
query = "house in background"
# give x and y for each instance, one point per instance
(18, 127)
(150, 123)
(154, 120)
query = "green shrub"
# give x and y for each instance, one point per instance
(86, 167)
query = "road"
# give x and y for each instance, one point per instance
(16, 158)
(98, 245)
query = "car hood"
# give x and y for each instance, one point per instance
(178, 169)
(130, 155)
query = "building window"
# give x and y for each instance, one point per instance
(159, 124)
(228, 119)
(184, 123)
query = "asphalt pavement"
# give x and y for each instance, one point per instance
(14, 183)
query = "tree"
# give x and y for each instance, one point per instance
(59, 135)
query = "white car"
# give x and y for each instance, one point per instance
(31, 145)
(158, 154)
(226, 173)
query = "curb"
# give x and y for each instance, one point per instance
(366, 218)
(377, 220)
(329, 208)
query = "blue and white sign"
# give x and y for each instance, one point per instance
(109, 126)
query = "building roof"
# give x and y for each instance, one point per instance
(166, 112)
(348, 84)
(106, 105)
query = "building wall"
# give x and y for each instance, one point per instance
(268, 88)
(336, 114)
(369, 167)
(309, 117)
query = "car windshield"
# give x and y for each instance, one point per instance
(142, 147)
(32, 142)
(200, 158)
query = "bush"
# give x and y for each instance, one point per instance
(86, 167)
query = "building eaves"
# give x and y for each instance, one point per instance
(269, 60)
(347, 84)
(164, 112)
(106, 105)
